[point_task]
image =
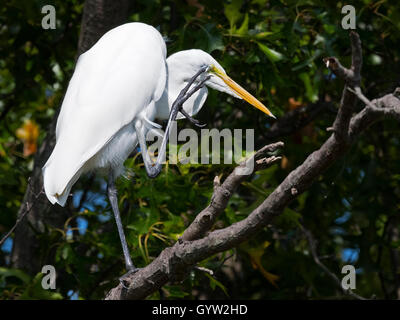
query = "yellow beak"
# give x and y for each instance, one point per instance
(241, 92)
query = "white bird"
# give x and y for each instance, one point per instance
(118, 88)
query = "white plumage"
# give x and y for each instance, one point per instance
(108, 90)
(123, 80)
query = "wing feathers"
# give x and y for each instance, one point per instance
(112, 83)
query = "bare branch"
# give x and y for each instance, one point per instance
(336, 67)
(357, 91)
(386, 106)
(175, 262)
(28, 208)
(222, 193)
(352, 78)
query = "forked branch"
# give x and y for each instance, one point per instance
(174, 263)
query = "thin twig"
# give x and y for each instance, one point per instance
(313, 248)
(29, 207)
(357, 91)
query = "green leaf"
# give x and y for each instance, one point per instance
(175, 292)
(212, 39)
(252, 57)
(272, 55)
(311, 92)
(5, 272)
(261, 35)
(244, 28)
(215, 283)
(308, 61)
(35, 291)
(232, 12)
(65, 252)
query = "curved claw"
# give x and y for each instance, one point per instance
(196, 122)
(191, 119)
(200, 125)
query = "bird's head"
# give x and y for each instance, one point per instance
(189, 62)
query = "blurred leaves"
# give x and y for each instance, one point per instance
(28, 133)
(255, 254)
(33, 289)
(232, 13)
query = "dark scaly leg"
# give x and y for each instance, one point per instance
(113, 196)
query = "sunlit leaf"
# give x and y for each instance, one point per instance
(232, 12)
(272, 55)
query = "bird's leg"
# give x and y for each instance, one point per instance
(112, 195)
(151, 168)
(154, 169)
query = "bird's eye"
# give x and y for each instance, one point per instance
(205, 68)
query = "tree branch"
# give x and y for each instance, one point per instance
(387, 106)
(222, 193)
(175, 262)
(352, 78)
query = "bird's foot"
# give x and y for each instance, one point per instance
(122, 279)
(191, 119)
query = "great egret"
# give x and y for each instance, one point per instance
(118, 88)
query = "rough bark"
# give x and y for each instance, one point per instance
(99, 16)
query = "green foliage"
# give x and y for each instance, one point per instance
(275, 50)
(32, 288)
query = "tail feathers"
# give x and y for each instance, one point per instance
(57, 185)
